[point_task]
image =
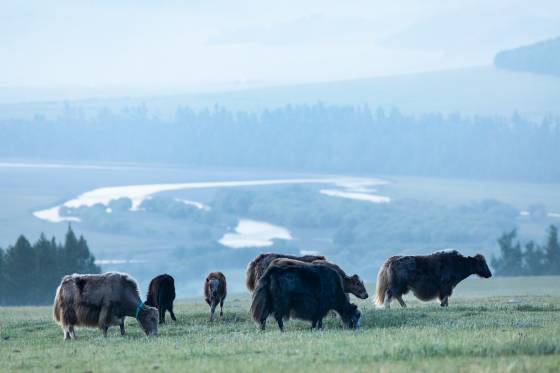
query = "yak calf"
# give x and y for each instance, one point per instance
(215, 291)
(161, 294)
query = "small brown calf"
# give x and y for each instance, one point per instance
(215, 291)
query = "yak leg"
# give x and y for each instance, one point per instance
(263, 319)
(444, 295)
(212, 309)
(121, 326)
(320, 324)
(387, 301)
(72, 332)
(221, 308)
(313, 324)
(401, 301)
(171, 313)
(67, 335)
(279, 321)
(103, 320)
(161, 314)
(104, 329)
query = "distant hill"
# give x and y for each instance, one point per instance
(541, 58)
(473, 91)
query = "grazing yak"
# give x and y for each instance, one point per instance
(101, 301)
(215, 291)
(258, 266)
(161, 294)
(352, 284)
(428, 276)
(306, 292)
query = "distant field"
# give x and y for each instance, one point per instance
(495, 325)
(27, 189)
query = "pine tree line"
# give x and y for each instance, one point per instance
(318, 137)
(530, 259)
(30, 273)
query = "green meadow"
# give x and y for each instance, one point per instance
(501, 324)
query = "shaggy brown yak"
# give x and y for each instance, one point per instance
(257, 266)
(161, 294)
(428, 276)
(101, 301)
(215, 291)
(352, 284)
(306, 292)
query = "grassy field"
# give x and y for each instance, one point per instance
(493, 325)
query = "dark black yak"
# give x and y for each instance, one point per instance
(101, 301)
(306, 292)
(352, 284)
(428, 276)
(161, 294)
(258, 266)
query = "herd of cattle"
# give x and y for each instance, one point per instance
(305, 287)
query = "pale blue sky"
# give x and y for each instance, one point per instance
(215, 44)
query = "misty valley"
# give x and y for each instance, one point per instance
(147, 219)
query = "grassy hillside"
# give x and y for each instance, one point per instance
(491, 325)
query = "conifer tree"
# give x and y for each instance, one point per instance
(29, 274)
(2, 277)
(20, 272)
(553, 251)
(510, 262)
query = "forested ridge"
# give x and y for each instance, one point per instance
(301, 138)
(541, 58)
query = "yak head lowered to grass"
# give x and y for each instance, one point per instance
(351, 317)
(148, 318)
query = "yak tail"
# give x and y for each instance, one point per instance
(382, 283)
(251, 274)
(57, 306)
(260, 307)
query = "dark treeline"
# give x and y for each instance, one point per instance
(30, 273)
(530, 260)
(299, 138)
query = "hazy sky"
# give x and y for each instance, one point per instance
(217, 43)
